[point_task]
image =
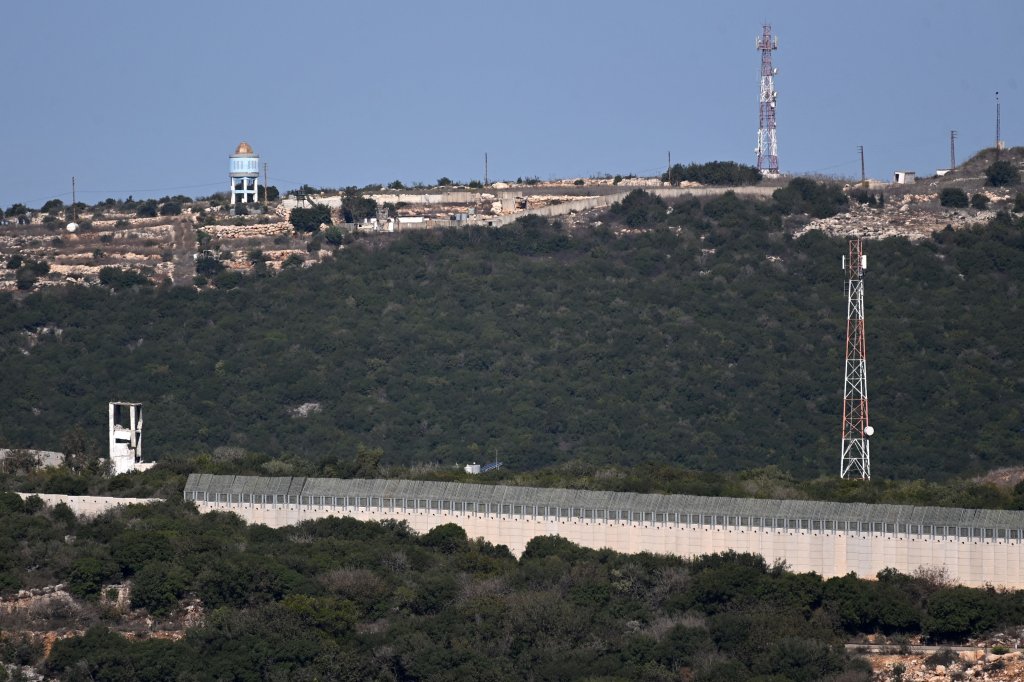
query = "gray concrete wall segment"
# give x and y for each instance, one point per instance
(47, 458)
(640, 503)
(88, 505)
(973, 563)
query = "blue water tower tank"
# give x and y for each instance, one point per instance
(244, 174)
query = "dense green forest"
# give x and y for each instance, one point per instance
(341, 599)
(708, 337)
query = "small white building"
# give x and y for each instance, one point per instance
(904, 177)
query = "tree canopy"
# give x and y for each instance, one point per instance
(713, 173)
(310, 219)
(338, 598)
(705, 337)
(953, 197)
(1002, 173)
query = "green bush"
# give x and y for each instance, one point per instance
(713, 173)
(310, 219)
(448, 538)
(88, 575)
(355, 207)
(979, 201)
(1002, 173)
(158, 586)
(228, 279)
(819, 199)
(334, 235)
(147, 209)
(953, 197)
(116, 278)
(956, 613)
(25, 278)
(208, 265)
(639, 209)
(944, 656)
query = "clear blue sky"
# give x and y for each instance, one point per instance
(149, 98)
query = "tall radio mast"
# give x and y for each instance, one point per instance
(767, 147)
(856, 458)
(999, 136)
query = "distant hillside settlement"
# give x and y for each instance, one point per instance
(174, 239)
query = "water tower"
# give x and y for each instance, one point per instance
(245, 175)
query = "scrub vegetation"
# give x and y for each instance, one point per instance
(699, 334)
(349, 600)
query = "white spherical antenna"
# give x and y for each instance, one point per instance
(869, 430)
(72, 227)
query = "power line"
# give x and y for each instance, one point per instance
(149, 189)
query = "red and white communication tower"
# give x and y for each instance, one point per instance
(767, 148)
(856, 457)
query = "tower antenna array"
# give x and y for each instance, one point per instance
(767, 147)
(856, 459)
(952, 150)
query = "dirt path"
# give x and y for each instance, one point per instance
(183, 247)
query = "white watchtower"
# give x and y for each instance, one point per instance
(245, 175)
(126, 438)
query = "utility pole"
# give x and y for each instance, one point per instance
(485, 169)
(863, 177)
(952, 150)
(767, 147)
(670, 166)
(266, 194)
(999, 136)
(74, 200)
(855, 453)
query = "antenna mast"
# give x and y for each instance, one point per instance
(952, 150)
(767, 147)
(856, 459)
(999, 136)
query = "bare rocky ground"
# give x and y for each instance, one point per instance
(914, 216)
(913, 211)
(975, 664)
(49, 614)
(162, 249)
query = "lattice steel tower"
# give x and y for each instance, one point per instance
(856, 458)
(767, 148)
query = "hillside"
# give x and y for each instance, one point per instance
(914, 210)
(708, 338)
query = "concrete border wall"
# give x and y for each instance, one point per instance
(87, 505)
(971, 562)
